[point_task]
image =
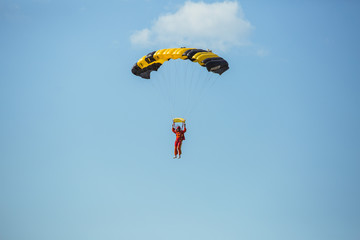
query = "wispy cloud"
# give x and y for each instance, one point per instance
(219, 25)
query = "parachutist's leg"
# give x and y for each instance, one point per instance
(179, 146)
(176, 148)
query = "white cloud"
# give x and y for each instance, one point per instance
(219, 25)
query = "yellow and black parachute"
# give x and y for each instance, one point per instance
(154, 60)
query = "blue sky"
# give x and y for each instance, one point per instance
(272, 152)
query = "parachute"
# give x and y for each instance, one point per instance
(154, 60)
(182, 83)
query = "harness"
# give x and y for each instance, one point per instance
(180, 135)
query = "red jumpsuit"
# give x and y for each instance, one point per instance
(179, 138)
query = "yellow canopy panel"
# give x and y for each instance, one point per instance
(178, 120)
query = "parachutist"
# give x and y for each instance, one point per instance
(205, 59)
(180, 136)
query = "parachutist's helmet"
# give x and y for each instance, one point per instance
(178, 128)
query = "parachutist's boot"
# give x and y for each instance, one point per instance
(179, 156)
(175, 156)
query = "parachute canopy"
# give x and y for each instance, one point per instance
(154, 60)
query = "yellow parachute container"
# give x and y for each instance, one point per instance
(176, 120)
